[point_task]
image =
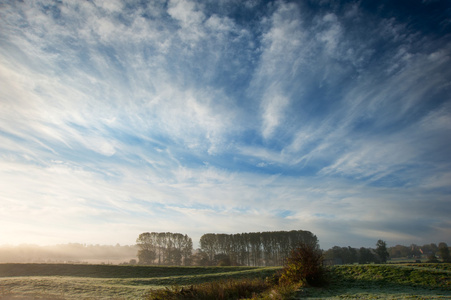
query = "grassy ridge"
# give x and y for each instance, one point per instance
(433, 276)
(403, 281)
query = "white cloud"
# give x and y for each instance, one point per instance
(273, 107)
(185, 11)
(189, 18)
(113, 6)
(282, 51)
(332, 36)
(283, 44)
(220, 24)
(111, 116)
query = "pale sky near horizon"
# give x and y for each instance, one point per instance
(122, 117)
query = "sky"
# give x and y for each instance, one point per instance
(123, 117)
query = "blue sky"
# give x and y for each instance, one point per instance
(121, 117)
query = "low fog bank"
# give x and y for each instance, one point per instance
(69, 253)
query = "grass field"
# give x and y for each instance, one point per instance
(403, 281)
(64, 281)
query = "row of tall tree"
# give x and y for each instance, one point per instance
(253, 249)
(249, 249)
(164, 248)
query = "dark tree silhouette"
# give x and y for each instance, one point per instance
(381, 251)
(255, 248)
(443, 251)
(164, 248)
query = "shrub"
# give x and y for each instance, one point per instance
(221, 290)
(304, 266)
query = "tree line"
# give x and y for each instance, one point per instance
(431, 251)
(349, 255)
(253, 249)
(266, 249)
(247, 249)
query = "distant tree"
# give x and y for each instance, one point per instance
(381, 251)
(208, 245)
(443, 251)
(222, 260)
(415, 251)
(432, 259)
(146, 257)
(351, 255)
(399, 251)
(366, 256)
(146, 252)
(187, 250)
(200, 258)
(342, 255)
(433, 247)
(429, 248)
(164, 248)
(330, 256)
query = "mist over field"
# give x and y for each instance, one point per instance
(68, 253)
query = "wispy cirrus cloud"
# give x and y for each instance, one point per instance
(263, 116)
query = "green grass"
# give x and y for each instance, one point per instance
(403, 281)
(65, 281)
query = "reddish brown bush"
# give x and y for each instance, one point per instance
(305, 266)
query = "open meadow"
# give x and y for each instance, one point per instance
(66, 281)
(388, 281)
